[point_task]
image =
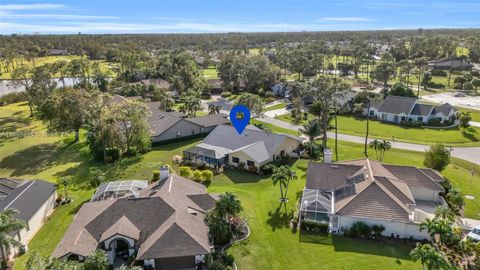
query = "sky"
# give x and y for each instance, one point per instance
(214, 16)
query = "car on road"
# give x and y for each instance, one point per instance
(474, 235)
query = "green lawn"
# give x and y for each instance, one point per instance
(276, 129)
(39, 61)
(210, 73)
(475, 114)
(271, 245)
(280, 105)
(357, 126)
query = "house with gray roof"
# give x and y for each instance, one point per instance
(396, 109)
(34, 200)
(397, 197)
(168, 126)
(251, 149)
(162, 226)
(450, 63)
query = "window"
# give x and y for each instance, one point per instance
(371, 113)
(235, 160)
(179, 134)
(250, 163)
(282, 153)
(420, 119)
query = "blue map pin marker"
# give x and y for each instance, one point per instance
(240, 124)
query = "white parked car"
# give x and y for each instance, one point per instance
(474, 234)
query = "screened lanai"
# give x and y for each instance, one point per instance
(316, 205)
(116, 189)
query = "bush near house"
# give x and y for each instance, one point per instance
(360, 229)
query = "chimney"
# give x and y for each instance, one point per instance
(327, 155)
(164, 172)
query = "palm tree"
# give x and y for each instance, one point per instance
(455, 199)
(9, 225)
(384, 146)
(192, 104)
(429, 257)
(439, 230)
(312, 130)
(228, 206)
(282, 176)
(214, 109)
(97, 260)
(444, 212)
(375, 144)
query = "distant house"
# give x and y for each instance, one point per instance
(215, 85)
(161, 226)
(54, 52)
(396, 197)
(34, 200)
(450, 63)
(343, 99)
(168, 126)
(396, 109)
(252, 149)
(278, 89)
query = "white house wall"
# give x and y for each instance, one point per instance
(185, 128)
(404, 230)
(36, 222)
(424, 194)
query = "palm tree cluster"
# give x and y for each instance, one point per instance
(282, 176)
(447, 249)
(224, 221)
(380, 148)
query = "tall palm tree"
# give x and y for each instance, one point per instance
(429, 257)
(439, 230)
(375, 144)
(384, 146)
(192, 104)
(97, 260)
(444, 212)
(282, 176)
(9, 225)
(214, 109)
(228, 206)
(312, 130)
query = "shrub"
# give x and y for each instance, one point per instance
(436, 85)
(378, 229)
(186, 172)
(226, 94)
(241, 165)
(13, 98)
(207, 175)
(197, 175)
(114, 153)
(229, 260)
(434, 122)
(252, 169)
(156, 175)
(360, 229)
(267, 168)
(439, 72)
(468, 86)
(177, 159)
(411, 124)
(475, 73)
(269, 99)
(131, 152)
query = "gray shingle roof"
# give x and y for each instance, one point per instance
(27, 197)
(210, 120)
(224, 139)
(329, 177)
(414, 177)
(421, 109)
(445, 109)
(397, 105)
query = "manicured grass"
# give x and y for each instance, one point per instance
(39, 61)
(272, 245)
(276, 107)
(357, 126)
(210, 73)
(475, 114)
(276, 129)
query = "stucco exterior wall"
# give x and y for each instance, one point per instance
(182, 128)
(424, 194)
(404, 230)
(36, 222)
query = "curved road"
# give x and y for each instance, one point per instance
(471, 154)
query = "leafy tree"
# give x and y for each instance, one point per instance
(456, 199)
(400, 89)
(429, 257)
(282, 176)
(161, 95)
(426, 79)
(21, 75)
(252, 102)
(312, 130)
(214, 109)
(9, 225)
(131, 117)
(437, 157)
(192, 103)
(228, 206)
(383, 71)
(465, 119)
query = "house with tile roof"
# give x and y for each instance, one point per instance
(251, 149)
(162, 226)
(397, 197)
(396, 109)
(34, 200)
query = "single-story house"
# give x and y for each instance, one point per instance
(251, 149)
(397, 109)
(162, 226)
(166, 126)
(57, 52)
(450, 63)
(343, 99)
(215, 85)
(34, 200)
(363, 190)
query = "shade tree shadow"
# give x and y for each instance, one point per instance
(279, 218)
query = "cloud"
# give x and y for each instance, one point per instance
(31, 6)
(53, 16)
(346, 19)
